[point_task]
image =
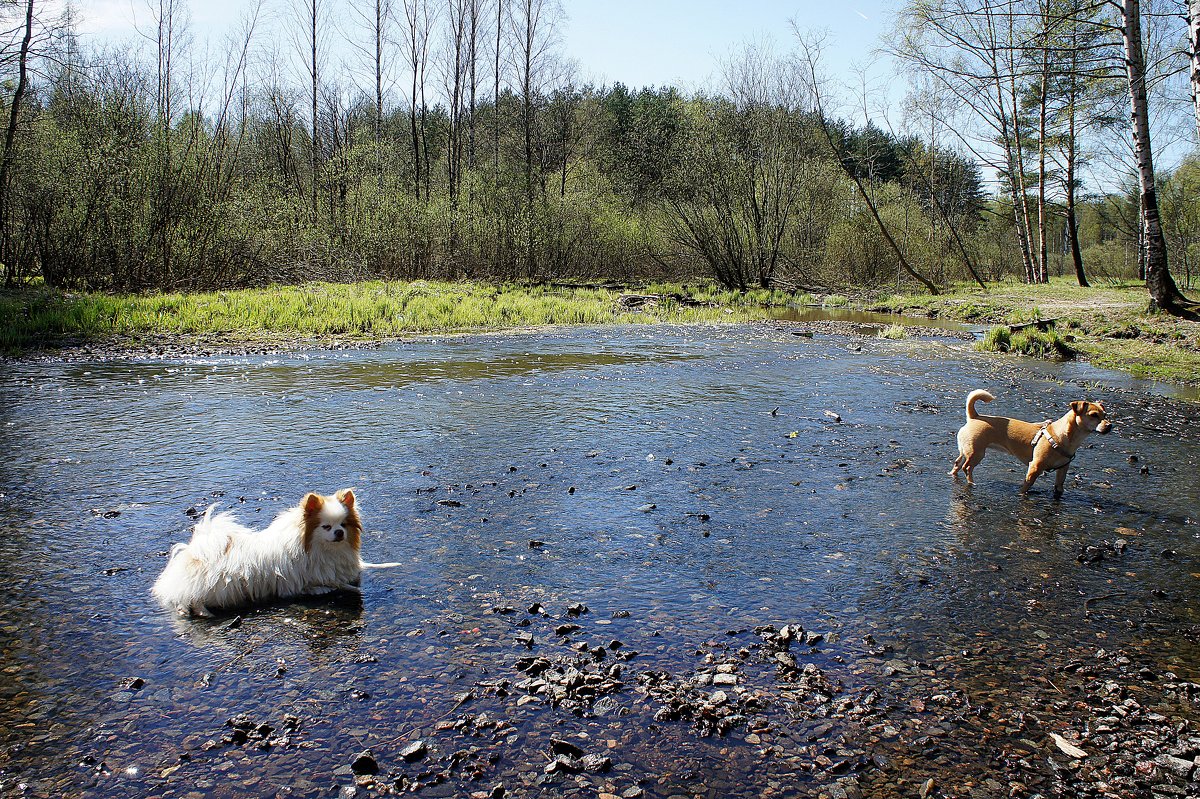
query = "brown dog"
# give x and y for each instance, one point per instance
(1045, 447)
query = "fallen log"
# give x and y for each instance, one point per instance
(1041, 324)
(633, 302)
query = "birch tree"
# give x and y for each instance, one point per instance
(1164, 294)
(1193, 21)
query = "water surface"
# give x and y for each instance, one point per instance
(685, 484)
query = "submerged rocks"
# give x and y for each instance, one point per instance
(414, 751)
(365, 764)
(710, 713)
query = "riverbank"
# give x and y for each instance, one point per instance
(323, 315)
(1107, 325)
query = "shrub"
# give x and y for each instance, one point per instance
(1035, 343)
(998, 339)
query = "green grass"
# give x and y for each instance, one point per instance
(1046, 344)
(40, 317)
(1107, 324)
(893, 332)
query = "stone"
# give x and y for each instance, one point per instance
(1176, 765)
(365, 763)
(414, 751)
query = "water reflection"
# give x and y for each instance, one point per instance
(682, 483)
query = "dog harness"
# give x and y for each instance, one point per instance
(1044, 432)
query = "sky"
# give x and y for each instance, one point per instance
(636, 42)
(682, 42)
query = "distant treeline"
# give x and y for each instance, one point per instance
(619, 185)
(119, 174)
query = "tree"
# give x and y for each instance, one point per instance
(808, 64)
(532, 27)
(969, 51)
(310, 35)
(1193, 20)
(734, 197)
(418, 25)
(10, 135)
(376, 18)
(1164, 294)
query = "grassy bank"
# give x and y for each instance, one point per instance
(39, 318)
(1108, 325)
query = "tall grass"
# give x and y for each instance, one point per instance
(43, 317)
(1036, 343)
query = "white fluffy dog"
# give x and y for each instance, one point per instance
(312, 548)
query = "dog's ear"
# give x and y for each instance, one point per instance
(312, 503)
(1080, 407)
(346, 497)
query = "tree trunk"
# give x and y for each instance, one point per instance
(1071, 155)
(496, 95)
(1022, 193)
(1043, 275)
(1193, 14)
(315, 96)
(1014, 185)
(1164, 294)
(1072, 222)
(9, 140)
(379, 30)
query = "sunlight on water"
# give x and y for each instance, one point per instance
(693, 482)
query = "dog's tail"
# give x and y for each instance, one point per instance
(366, 565)
(972, 398)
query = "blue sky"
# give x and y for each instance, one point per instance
(637, 42)
(682, 42)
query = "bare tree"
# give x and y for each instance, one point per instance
(455, 76)
(311, 35)
(969, 51)
(497, 58)
(376, 19)
(929, 106)
(532, 28)
(417, 29)
(170, 38)
(737, 200)
(1043, 97)
(475, 20)
(810, 57)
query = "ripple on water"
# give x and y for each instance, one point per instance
(686, 484)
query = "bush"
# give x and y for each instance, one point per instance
(1032, 342)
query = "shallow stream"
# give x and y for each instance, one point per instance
(685, 485)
